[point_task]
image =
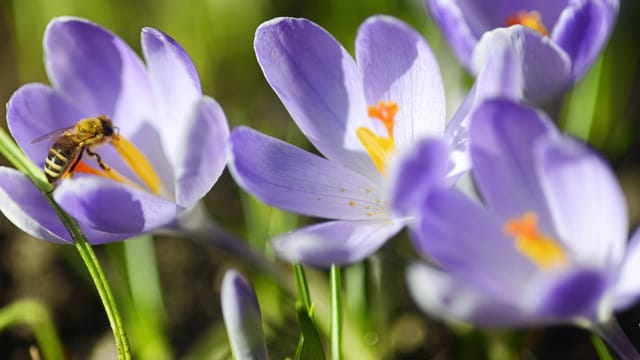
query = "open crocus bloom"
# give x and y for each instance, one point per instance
(550, 242)
(357, 114)
(555, 41)
(167, 152)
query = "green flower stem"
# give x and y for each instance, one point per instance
(614, 336)
(601, 348)
(10, 150)
(336, 314)
(34, 314)
(99, 279)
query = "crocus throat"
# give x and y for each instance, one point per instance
(538, 247)
(134, 159)
(530, 19)
(379, 148)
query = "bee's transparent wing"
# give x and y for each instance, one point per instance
(54, 133)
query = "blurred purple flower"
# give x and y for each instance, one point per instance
(160, 109)
(242, 318)
(548, 246)
(356, 115)
(555, 42)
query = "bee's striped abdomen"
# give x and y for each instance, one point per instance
(61, 155)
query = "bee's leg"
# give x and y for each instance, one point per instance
(72, 167)
(99, 160)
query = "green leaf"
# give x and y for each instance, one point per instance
(312, 346)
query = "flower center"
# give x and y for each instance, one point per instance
(379, 148)
(530, 19)
(134, 159)
(538, 247)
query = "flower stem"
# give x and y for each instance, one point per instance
(12, 152)
(35, 314)
(336, 314)
(612, 334)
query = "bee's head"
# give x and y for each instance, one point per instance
(107, 125)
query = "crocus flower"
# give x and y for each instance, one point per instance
(356, 114)
(555, 41)
(549, 244)
(242, 318)
(169, 145)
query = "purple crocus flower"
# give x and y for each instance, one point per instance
(242, 317)
(357, 114)
(549, 244)
(171, 136)
(555, 41)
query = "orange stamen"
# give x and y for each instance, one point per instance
(379, 148)
(83, 167)
(530, 19)
(538, 247)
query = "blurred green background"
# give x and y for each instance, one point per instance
(184, 320)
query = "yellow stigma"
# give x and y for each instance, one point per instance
(541, 249)
(379, 148)
(530, 19)
(134, 159)
(137, 162)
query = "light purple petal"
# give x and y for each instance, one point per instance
(35, 110)
(24, 205)
(335, 242)
(319, 84)
(583, 30)
(97, 71)
(242, 317)
(109, 206)
(292, 179)
(627, 288)
(452, 22)
(503, 135)
(202, 157)
(419, 171)
(586, 202)
(445, 297)
(517, 62)
(470, 242)
(487, 15)
(175, 84)
(398, 65)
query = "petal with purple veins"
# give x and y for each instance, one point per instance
(175, 86)
(97, 70)
(25, 206)
(109, 206)
(398, 65)
(36, 110)
(335, 242)
(292, 179)
(319, 84)
(202, 157)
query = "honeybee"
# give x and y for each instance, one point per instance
(70, 143)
